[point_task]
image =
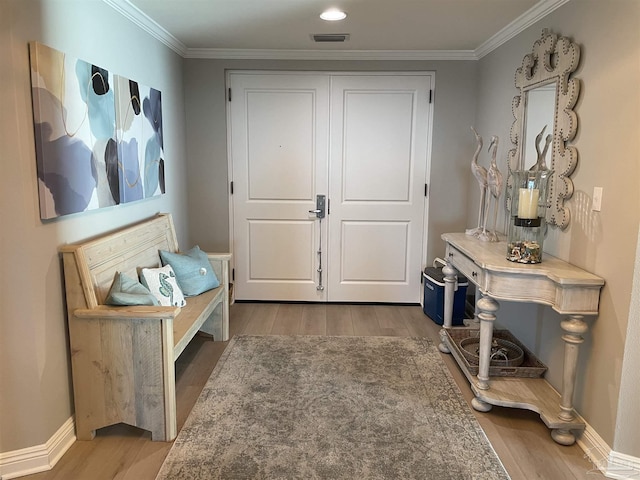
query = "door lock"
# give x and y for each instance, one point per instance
(319, 211)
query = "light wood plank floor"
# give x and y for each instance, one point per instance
(120, 452)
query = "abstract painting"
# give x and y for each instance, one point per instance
(79, 142)
(140, 143)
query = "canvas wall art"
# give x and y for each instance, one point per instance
(84, 144)
(140, 143)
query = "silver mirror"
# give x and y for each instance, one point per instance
(547, 93)
(540, 110)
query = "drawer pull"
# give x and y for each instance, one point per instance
(474, 274)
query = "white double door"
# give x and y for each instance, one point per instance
(362, 140)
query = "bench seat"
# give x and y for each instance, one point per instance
(122, 357)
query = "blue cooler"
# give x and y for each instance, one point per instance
(434, 296)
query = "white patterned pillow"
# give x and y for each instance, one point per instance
(163, 285)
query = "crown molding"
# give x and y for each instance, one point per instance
(524, 21)
(217, 53)
(139, 18)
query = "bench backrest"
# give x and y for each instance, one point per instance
(126, 251)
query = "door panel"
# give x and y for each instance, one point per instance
(378, 164)
(273, 243)
(370, 252)
(377, 128)
(279, 155)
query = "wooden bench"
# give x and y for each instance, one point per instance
(122, 357)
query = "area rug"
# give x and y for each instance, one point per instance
(317, 407)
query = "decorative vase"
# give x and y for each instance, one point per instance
(528, 211)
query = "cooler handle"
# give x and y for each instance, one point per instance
(439, 260)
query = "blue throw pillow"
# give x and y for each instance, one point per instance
(193, 270)
(127, 291)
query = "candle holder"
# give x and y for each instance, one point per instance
(528, 212)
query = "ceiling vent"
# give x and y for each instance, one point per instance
(330, 37)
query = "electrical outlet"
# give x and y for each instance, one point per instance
(596, 203)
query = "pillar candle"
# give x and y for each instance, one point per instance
(528, 203)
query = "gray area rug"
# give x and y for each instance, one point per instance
(313, 407)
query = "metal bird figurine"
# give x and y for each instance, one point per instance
(494, 183)
(481, 176)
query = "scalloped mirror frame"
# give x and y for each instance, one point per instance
(552, 59)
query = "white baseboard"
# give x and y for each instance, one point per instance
(611, 464)
(39, 458)
(623, 466)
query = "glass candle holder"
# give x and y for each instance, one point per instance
(528, 212)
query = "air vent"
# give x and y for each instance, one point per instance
(330, 37)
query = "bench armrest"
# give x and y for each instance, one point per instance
(127, 312)
(221, 257)
(220, 263)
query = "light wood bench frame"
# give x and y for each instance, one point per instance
(122, 357)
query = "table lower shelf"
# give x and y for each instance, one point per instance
(534, 394)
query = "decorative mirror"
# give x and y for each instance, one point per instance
(547, 94)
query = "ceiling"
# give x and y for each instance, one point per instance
(420, 29)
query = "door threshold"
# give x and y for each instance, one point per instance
(302, 302)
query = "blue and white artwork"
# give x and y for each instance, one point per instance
(79, 146)
(140, 142)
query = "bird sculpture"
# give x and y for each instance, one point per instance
(481, 176)
(494, 185)
(541, 163)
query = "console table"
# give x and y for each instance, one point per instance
(567, 289)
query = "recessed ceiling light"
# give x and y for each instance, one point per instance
(333, 14)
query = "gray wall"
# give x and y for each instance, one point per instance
(454, 110)
(35, 392)
(601, 242)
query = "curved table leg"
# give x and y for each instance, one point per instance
(450, 280)
(574, 327)
(442, 346)
(487, 307)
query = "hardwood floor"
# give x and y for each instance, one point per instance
(519, 437)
